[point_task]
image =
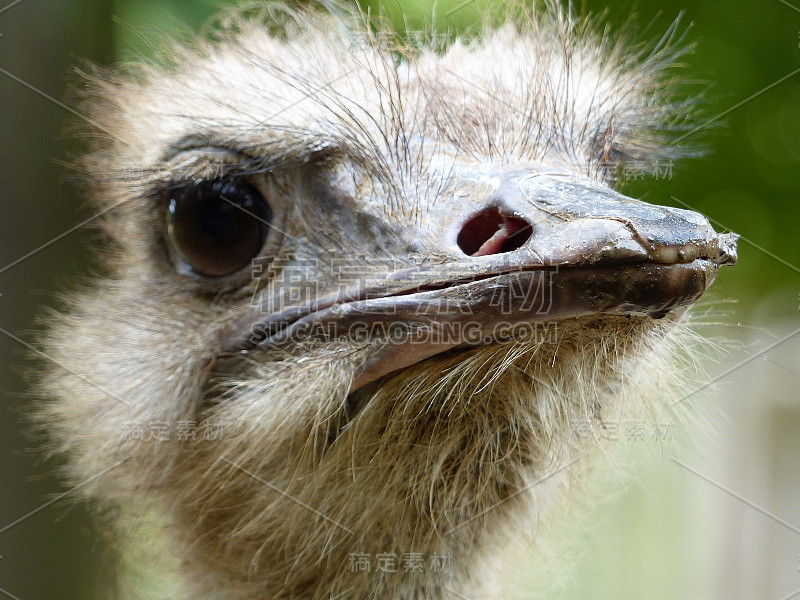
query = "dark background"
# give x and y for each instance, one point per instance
(747, 51)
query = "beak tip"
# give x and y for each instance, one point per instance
(727, 243)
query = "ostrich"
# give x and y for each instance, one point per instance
(356, 293)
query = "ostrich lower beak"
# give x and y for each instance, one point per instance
(590, 251)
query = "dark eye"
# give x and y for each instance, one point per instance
(217, 227)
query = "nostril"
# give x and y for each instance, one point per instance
(492, 232)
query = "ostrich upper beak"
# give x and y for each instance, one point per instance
(535, 248)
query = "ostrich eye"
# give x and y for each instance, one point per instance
(217, 227)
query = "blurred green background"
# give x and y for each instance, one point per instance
(721, 524)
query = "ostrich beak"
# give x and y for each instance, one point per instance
(540, 249)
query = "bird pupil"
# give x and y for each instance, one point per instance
(217, 227)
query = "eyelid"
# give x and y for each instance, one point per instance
(186, 163)
(205, 163)
(198, 164)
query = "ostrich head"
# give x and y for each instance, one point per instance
(386, 277)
